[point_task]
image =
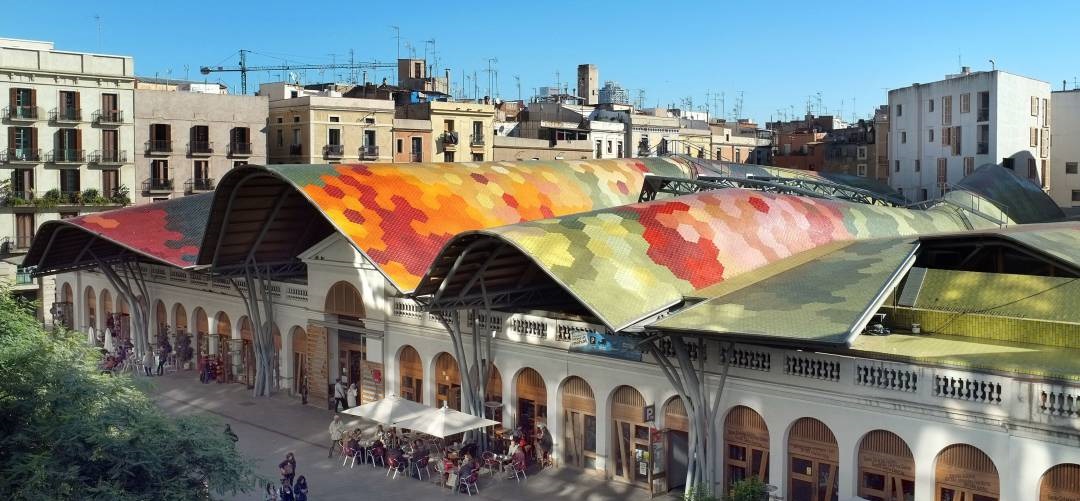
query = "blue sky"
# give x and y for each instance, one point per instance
(776, 54)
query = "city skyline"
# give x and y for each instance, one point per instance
(678, 58)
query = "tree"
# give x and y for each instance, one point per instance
(69, 432)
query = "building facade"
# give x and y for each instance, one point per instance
(1063, 177)
(740, 142)
(510, 148)
(321, 126)
(461, 132)
(188, 140)
(412, 140)
(944, 130)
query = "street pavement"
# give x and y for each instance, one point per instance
(271, 427)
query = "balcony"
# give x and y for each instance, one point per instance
(23, 277)
(199, 185)
(159, 146)
(66, 156)
(17, 198)
(67, 115)
(21, 113)
(296, 149)
(69, 197)
(158, 185)
(369, 152)
(109, 117)
(476, 140)
(416, 156)
(109, 157)
(334, 151)
(983, 115)
(239, 149)
(449, 141)
(9, 245)
(20, 155)
(200, 148)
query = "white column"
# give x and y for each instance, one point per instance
(924, 478)
(778, 450)
(285, 358)
(554, 419)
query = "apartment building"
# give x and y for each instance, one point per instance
(1063, 177)
(461, 131)
(309, 126)
(740, 141)
(941, 131)
(412, 140)
(67, 141)
(189, 139)
(567, 127)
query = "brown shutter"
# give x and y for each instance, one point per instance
(78, 103)
(168, 133)
(12, 99)
(153, 132)
(11, 137)
(78, 138)
(33, 138)
(33, 97)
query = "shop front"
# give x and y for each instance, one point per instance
(676, 444)
(631, 438)
(965, 473)
(531, 403)
(579, 424)
(411, 374)
(886, 468)
(813, 461)
(447, 382)
(1060, 483)
(746, 446)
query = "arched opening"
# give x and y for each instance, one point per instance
(410, 374)
(813, 458)
(344, 301)
(161, 318)
(493, 396)
(275, 363)
(64, 309)
(220, 344)
(447, 381)
(122, 320)
(1060, 483)
(531, 403)
(91, 308)
(180, 321)
(886, 467)
(202, 337)
(579, 423)
(300, 359)
(630, 437)
(676, 443)
(245, 368)
(964, 473)
(106, 309)
(746, 440)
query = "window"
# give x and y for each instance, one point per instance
(160, 138)
(609, 143)
(956, 149)
(897, 166)
(240, 140)
(618, 149)
(417, 149)
(369, 120)
(279, 119)
(418, 69)
(369, 138)
(903, 137)
(599, 149)
(68, 108)
(1071, 167)
(333, 137)
(24, 230)
(942, 171)
(738, 156)
(110, 107)
(1044, 144)
(110, 144)
(296, 120)
(68, 215)
(1042, 173)
(946, 110)
(1046, 112)
(1034, 106)
(22, 184)
(110, 181)
(280, 137)
(931, 135)
(68, 145)
(400, 145)
(931, 110)
(239, 163)
(1008, 163)
(946, 136)
(69, 181)
(448, 156)
(477, 157)
(861, 169)
(334, 119)
(918, 165)
(969, 166)
(296, 137)
(982, 146)
(861, 153)
(1032, 170)
(1033, 136)
(23, 103)
(22, 143)
(1076, 195)
(984, 107)
(200, 139)
(159, 169)
(201, 170)
(899, 110)
(922, 194)
(965, 103)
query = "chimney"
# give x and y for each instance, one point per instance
(965, 70)
(447, 80)
(487, 99)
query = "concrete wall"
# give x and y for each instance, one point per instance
(312, 116)
(1066, 148)
(520, 148)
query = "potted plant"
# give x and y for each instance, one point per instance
(184, 352)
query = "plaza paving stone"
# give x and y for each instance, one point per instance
(270, 427)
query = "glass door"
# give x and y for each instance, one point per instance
(813, 480)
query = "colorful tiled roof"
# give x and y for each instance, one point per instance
(400, 216)
(1054, 299)
(169, 231)
(629, 262)
(1021, 199)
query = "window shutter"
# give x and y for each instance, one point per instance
(33, 138)
(33, 97)
(168, 133)
(78, 102)
(1033, 137)
(153, 132)
(1046, 113)
(78, 139)
(11, 137)
(1034, 106)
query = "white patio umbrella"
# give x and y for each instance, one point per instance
(90, 341)
(445, 422)
(108, 341)
(389, 410)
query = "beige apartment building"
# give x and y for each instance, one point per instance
(187, 140)
(740, 142)
(321, 126)
(509, 148)
(67, 141)
(412, 140)
(461, 132)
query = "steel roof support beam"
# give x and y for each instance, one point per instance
(266, 224)
(228, 213)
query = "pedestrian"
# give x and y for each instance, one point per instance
(148, 362)
(351, 395)
(288, 469)
(161, 361)
(286, 493)
(337, 429)
(229, 433)
(271, 492)
(339, 396)
(546, 443)
(300, 489)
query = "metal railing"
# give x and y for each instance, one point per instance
(158, 184)
(239, 149)
(197, 184)
(66, 155)
(11, 155)
(108, 117)
(476, 140)
(159, 146)
(334, 150)
(296, 149)
(416, 156)
(23, 277)
(450, 138)
(106, 157)
(21, 113)
(369, 152)
(65, 115)
(200, 148)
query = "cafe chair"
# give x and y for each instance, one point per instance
(469, 482)
(397, 465)
(491, 462)
(421, 467)
(350, 454)
(519, 470)
(377, 454)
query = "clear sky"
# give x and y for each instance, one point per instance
(777, 55)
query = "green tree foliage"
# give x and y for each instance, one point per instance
(750, 489)
(69, 432)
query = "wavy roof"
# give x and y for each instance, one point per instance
(1020, 199)
(168, 232)
(627, 263)
(400, 215)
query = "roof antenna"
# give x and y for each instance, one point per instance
(993, 65)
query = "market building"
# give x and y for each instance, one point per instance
(772, 283)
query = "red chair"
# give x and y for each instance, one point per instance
(519, 470)
(395, 464)
(377, 454)
(469, 482)
(350, 453)
(421, 466)
(491, 463)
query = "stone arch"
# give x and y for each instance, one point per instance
(222, 324)
(90, 298)
(965, 471)
(579, 423)
(343, 299)
(201, 323)
(746, 445)
(180, 320)
(886, 466)
(1060, 482)
(66, 294)
(813, 460)
(161, 316)
(106, 304)
(447, 379)
(530, 392)
(300, 360)
(410, 374)
(627, 406)
(246, 328)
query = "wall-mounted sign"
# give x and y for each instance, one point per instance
(608, 345)
(649, 414)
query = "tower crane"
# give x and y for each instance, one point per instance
(243, 68)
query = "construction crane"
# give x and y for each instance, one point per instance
(243, 68)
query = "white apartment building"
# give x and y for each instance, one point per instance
(67, 141)
(944, 130)
(1063, 176)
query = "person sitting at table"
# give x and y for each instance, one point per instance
(396, 458)
(352, 446)
(466, 468)
(419, 449)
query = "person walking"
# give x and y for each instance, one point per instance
(339, 396)
(300, 490)
(337, 429)
(286, 492)
(271, 492)
(351, 395)
(148, 363)
(287, 469)
(546, 443)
